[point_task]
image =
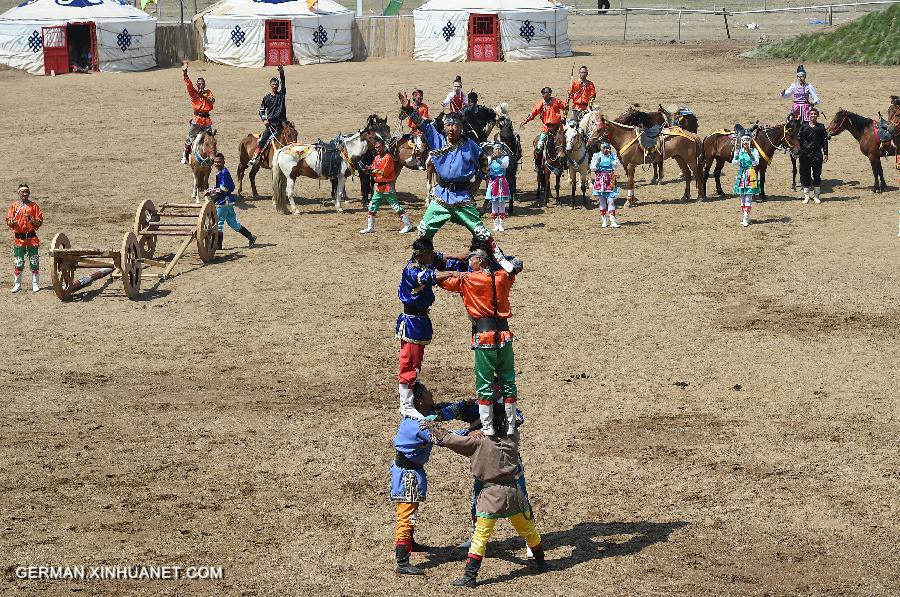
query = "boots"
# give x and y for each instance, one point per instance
(501, 259)
(35, 282)
(745, 217)
(219, 236)
(817, 191)
(251, 240)
(509, 406)
(371, 225)
(496, 221)
(17, 282)
(612, 219)
(486, 414)
(406, 403)
(538, 563)
(470, 575)
(500, 219)
(403, 565)
(255, 159)
(185, 153)
(407, 225)
(603, 222)
(805, 195)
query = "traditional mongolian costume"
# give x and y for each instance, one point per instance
(478, 117)
(24, 217)
(456, 99)
(422, 109)
(746, 184)
(494, 461)
(384, 176)
(604, 165)
(813, 150)
(551, 113)
(223, 195)
(497, 191)
(803, 96)
(582, 95)
(274, 109)
(485, 295)
(202, 104)
(413, 327)
(456, 165)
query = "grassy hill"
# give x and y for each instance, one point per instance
(872, 39)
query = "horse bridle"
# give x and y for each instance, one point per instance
(202, 161)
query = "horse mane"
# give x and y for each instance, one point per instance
(895, 100)
(858, 121)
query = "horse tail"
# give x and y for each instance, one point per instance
(279, 184)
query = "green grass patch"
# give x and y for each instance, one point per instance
(871, 39)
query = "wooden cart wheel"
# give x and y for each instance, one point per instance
(146, 218)
(63, 272)
(207, 229)
(131, 266)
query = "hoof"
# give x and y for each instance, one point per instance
(701, 199)
(296, 212)
(340, 210)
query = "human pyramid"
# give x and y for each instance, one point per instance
(483, 277)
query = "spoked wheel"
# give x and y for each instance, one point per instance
(131, 266)
(146, 219)
(207, 228)
(63, 272)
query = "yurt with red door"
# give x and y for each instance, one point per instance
(257, 33)
(490, 30)
(61, 36)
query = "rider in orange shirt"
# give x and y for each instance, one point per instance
(581, 93)
(202, 101)
(24, 217)
(384, 176)
(422, 108)
(551, 110)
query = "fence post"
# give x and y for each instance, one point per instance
(626, 25)
(727, 30)
(679, 25)
(830, 18)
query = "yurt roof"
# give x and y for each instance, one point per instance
(272, 8)
(488, 6)
(74, 10)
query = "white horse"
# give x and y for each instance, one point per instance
(578, 158)
(296, 160)
(588, 123)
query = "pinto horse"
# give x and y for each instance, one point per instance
(719, 146)
(247, 148)
(578, 159)
(864, 130)
(552, 160)
(292, 161)
(203, 150)
(682, 146)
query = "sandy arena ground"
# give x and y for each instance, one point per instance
(710, 410)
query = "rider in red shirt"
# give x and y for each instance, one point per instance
(552, 112)
(202, 101)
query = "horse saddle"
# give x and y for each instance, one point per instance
(332, 161)
(885, 129)
(650, 137)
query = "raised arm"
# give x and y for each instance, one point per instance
(281, 76)
(432, 138)
(461, 444)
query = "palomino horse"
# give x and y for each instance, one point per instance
(682, 146)
(718, 147)
(864, 131)
(578, 159)
(247, 148)
(552, 160)
(633, 116)
(292, 161)
(203, 150)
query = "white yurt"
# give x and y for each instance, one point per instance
(40, 36)
(490, 30)
(257, 33)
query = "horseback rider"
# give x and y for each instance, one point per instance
(202, 101)
(422, 108)
(803, 95)
(479, 117)
(273, 113)
(582, 93)
(813, 140)
(456, 99)
(456, 160)
(551, 111)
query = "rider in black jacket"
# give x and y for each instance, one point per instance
(273, 113)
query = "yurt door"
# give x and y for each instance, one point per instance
(56, 51)
(278, 43)
(484, 38)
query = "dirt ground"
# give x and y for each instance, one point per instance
(710, 410)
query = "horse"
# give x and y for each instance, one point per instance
(682, 146)
(203, 150)
(578, 159)
(552, 160)
(292, 161)
(675, 117)
(864, 131)
(719, 147)
(510, 138)
(247, 147)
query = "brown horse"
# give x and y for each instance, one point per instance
(719, 148)
(864, 131)
(682, 146)
(247, 148)
(203, 150)
(551, 160)
(633, 116)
